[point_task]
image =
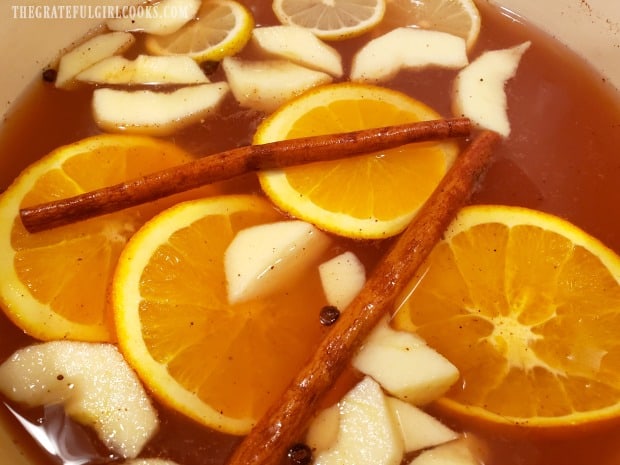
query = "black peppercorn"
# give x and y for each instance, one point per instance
(49, 75)
(329, 315)
(300, 454)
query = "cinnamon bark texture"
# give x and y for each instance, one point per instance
(283, 424)
(226, 165)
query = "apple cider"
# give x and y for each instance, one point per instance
(561, 158)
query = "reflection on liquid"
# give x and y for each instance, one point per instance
(62, 438)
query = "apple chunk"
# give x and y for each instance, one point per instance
(92, 381)
(155, 113)
(452, 453)
(368, 434)
(145, 69)
(300, 46)
(266, 84)
(263, 259)
(404, 365)
(406, 48)
(342, 278)
(323, 430)
(166, 17)
(419, 429)
(90, 52)
(479, 88)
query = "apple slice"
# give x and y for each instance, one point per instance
(300, 46)
(90, 52)
(145, 70)
(263, 259)
(92, 381)
(342, 278)
(164, 17)
(404, 365)
(452, 453)
(265, 85)
(407, 48)
(368, 434)
(479, 88)
(419, 429)
(323, 430)
(155, 113)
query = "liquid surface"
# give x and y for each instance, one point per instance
(561, 158)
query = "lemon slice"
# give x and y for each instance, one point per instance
(538, 300)
(333, 20)
(371, 196)
(221, 28)
(457, 17)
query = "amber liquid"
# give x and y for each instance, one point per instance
(562, 157)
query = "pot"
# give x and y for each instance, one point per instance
(591, 28)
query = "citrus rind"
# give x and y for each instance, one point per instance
(222, 28)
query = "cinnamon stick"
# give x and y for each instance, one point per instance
(283, 424)
(226, 165)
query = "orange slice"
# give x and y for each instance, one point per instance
(527, 306)
(370, 196)
(220, 364)
(53, 284)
